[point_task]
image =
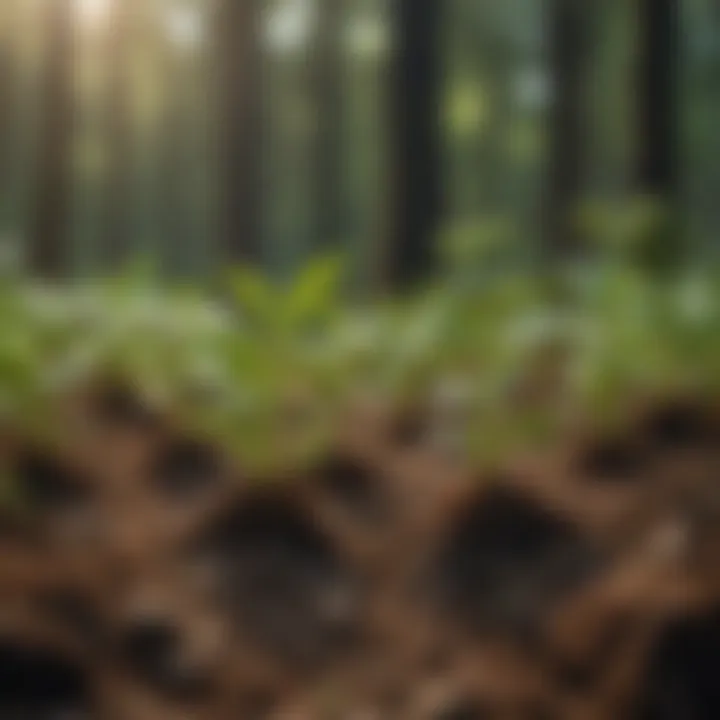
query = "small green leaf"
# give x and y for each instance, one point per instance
(255, 294)
(316, 291)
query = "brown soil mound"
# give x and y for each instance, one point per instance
(153, 579)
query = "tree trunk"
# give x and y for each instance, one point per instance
(116, 219)
(8, 103)
(241, 123)
(327, 147)
(175, 205)
(415, 144)
(661, 248)
(656, 129)
(569, 52)
(51, 215)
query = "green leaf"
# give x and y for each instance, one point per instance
(316, 291)
(255, 294)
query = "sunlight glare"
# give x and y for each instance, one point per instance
(92, 14)
(289, 26)
(184, 27)
(368, 36)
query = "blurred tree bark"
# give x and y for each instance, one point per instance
(415, 145)
(327, 141)
(239, 40)
(174, 142)
(50, 222)
(656, 129)
(661, 248)
(115, 223)
(569, 53)
(8, 98)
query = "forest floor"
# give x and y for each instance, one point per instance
(150, 579)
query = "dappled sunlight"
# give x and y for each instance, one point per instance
(92, 14)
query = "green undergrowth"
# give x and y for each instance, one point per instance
(498, 357)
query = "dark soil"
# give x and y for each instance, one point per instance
(40, 684)
(45, 483)
(185, 468)
(382, 585)
(681, 680)
(506, 558)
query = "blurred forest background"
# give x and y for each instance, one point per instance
(205, 132)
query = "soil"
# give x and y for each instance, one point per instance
(144, 576)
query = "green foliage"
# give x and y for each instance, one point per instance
(639, 232)
(269, 370)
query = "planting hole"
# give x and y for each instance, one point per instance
(678, 425)
(506, 558)
(46, 484)
(282, 578)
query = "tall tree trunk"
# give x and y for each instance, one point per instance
(415, 146)
(115, 224)
(51, 214)
(661, 248)
(491, 156)
(569, 52)
(241, 123)
(8, 101)
(656, 129)
(174, 201)
(327, 147)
